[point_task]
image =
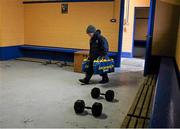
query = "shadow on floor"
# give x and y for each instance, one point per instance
(85, 113)
(118, 80)
(102, 98)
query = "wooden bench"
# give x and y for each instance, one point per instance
(138, 115)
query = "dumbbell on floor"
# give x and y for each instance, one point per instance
(96, 108)
(109, 95)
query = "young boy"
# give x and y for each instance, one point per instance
(98, 48)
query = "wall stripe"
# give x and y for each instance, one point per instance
(10, 52)
(150, 37)
(121, 27)
(57, 1)
(126, 55)
(42, 52)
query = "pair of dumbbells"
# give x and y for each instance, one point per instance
(96, 109)
(96, 93)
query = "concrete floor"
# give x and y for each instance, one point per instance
(36, 96)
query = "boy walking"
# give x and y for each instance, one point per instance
(98, 48)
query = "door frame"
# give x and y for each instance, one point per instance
(134, 27)
(149, 39)
(120, 37)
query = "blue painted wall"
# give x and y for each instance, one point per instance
(120, 38)
(61, 54)
(126, 55)
(12, 52)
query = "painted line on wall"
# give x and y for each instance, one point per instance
(10, 52)
(42, 52)
(120, 38)
(126, 54)
(57, 1)
(148, 56)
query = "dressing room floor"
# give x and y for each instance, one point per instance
(34, 95)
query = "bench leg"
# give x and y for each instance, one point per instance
(62, 64)
(47, 62)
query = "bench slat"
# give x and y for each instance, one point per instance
(146, 124)
(140, 123)
(151, 102)
(147, 102)
(141, 101)
(133, 122)
(126, 122)
(138, 95)
(150, 79)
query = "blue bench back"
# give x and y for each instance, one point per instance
(166, 107)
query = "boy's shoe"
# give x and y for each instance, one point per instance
(104, 80)
(84, 81)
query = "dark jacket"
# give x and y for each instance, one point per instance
(98, 46)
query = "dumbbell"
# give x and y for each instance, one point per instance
(109, 95)
(96, 108)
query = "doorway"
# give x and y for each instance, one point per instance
(139, 42)
(141, 18)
